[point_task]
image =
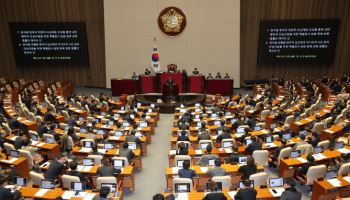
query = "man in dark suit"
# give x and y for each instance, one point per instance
(42, 128)
(19, 141)
(107, 169)
(234, 157)
(183, 136)
(251, 122)
(255, 145)
(305, 167)
(126, 152)
(226, 134)
(290, 192)
(73, 167)
(186, 172)
(248, 169)
(204, 135)
(13, 122)
(53, 132)
(246, 193)
(214, 194)
(56, 168)
(217, 170)
(49, 116)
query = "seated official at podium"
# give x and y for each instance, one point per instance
(195, 71)
(170, 82)
(170, 88)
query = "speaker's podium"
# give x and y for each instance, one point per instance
(170, 91)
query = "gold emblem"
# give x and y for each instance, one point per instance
(172, 21)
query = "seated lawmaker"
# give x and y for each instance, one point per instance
(182, 150)
(107, 169)
(217, 170)
(103, 195)
(186, 172)
(290, 192)
(56, 168)
(195, 71)
(246, 193)
(214, 194)
(183, 136)
(305, 167)
(248, 169)
(73, 167)
(255, 145)
(218, 75)
(204, 159)
(126, 152)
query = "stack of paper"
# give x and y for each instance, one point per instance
(298, 123)
(301, 160)
(319, 156)
(68, 194)
(228, 150)
(271, 145)
(277, 190)
(82, 168)
(114, 137)
(85, 150)
(174, 170)
(347, 178)
(181, 196)
(102, 150)
(232, 194)
(172, 152)
(199, 152)
(41, 192)
(10, 160)
(344, 150)
(334, 182)
(204, 169)
(40, 144)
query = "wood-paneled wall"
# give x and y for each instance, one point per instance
(88, 11)
(252, 11)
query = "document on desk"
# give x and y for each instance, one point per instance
(265, 131)
(199, 152)
(319, 156)
(204, 169)
(10, 160)
(40, 144)
(298, 123)
(172, 152)
(89, 196)
(41, 192)
(328, 131)
(85, 150)
(228, 150)
(232, 194)
(270, 145)
(181, 196)
(308, 119)
(347, 178)
(174, 170)
(114, 137)
(102, 150)
(277, 190)
(344, 150)
(302, 160)
(68, 194)
(334, 182)
(87, 168)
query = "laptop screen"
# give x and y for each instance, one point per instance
(204, 145)
(34, 137)
(295, 154)
(331, 174)
(257, 128)
(182, 187)
(88, 162)
(213, 115)
(199, 124)
(233, 121)
(112, 186)
(132, 146)
(77, 186)
(268, 139)
(118, 163)
(339, 145)
(138, 105)
(211, 162)
(242, 160)
(100, 132)
(126, 124)
(241, 186)
(275, 182)
(108, 146)
(83, 130)
(110, 123)
(20, 181)
(87, 144)
(240, 130)
(14, 153)
(287, 136)
(47, 184)
(248, 141)
(180, 163)
(227, 144)
(118, 133)
(318, 149)
(302, 132)
(273, 125)
(143, 124)
(50, 140)
(218, 184)
(217, 123)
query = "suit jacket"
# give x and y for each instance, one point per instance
(246, 194)
(5, 193)
(233, 158)
(187, 173)
(107, 171)
(251, 123)
(183, 138)
(253, 146)
(18, 142)
(291, 194)
(215, 196)
(42, 129)
(54, 170)
(125, 152)
(204, 136)
(217, 171)
(224, 136)
(247, 170)
(204, 159)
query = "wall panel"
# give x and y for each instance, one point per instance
(88, 11)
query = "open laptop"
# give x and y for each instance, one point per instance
(50, 140)
(47, 184)
(242, 160)
(118, 163)
(247, 141)
(126, 124)
(240, 130)
(14, 153)
(257, 128)
(287, 136)
(339, 145)
(233, 121)
(21, 181)
(180, 163)
(217, 123)
(182, 187)
(241, 186)
(100, 132)
(204, 146)
(87, 144)
(82, 130)
(227, 144)
(276, 182)
(34, 137)
(78, 187)
(88, 162)
(112, 186)
(331, 174)
(132, 146)
(118, 133)
(269, 139)
(272, 126)
(211, 162)
(303, 132)
(318, 149)
(143, 124)
(295, 154)
(108, 146)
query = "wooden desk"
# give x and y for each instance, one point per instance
(332, 131)
(203, 177)
(323, 190)
(21, 166)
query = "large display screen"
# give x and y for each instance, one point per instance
(297, 42)
(49, 43)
